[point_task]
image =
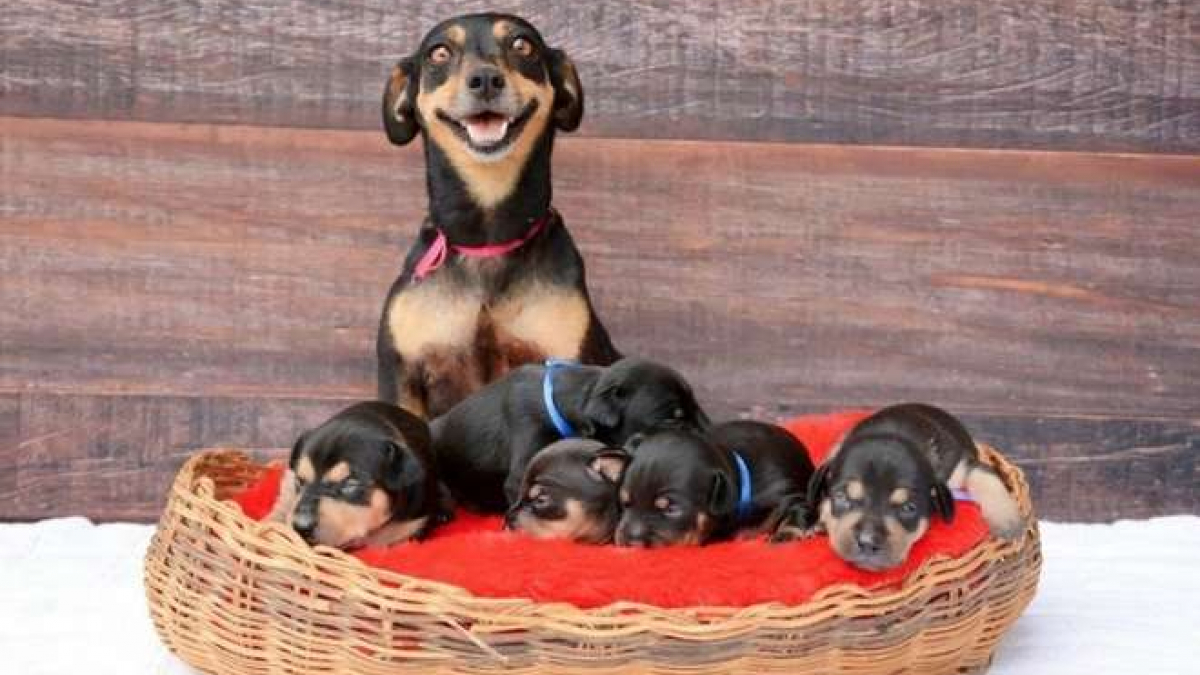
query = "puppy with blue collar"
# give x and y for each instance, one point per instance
(484, 444)
(682, 487)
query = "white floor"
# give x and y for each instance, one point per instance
(1115, 599)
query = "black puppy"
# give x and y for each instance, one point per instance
(570, 492)
(894, 471)
(684, 488)
(484, 443)
(493, 279)
(365, 477)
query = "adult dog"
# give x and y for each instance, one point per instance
(493, 280)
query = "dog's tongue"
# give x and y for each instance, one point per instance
(486, 129)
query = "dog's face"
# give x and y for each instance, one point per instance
(570, 492)
(485, 89)
(638, 396)
(346, 480)
(875, 499)
(674, 491)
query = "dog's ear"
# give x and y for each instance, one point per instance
(605, 405)
(407, 477)
(721, 500)
(943, 501)
(608, 464)
(818, 487)
(295, 456)
(399, 102)
(568, 92)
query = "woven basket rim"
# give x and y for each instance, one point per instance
(191, 482)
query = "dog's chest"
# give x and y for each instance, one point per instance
(530, 321)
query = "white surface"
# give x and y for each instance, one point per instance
(1114, 600)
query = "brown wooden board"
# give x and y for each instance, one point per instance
(1091, 75)
(239, 271)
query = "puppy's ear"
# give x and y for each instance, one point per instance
(568, 92)
(608, 464)
(605, 405)
(399, 103)
(943, 501)
(407, 477)
(721, 500)
(818, 487)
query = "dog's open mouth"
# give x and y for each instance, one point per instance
(489, 132)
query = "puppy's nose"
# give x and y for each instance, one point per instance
(304, 524)
(486, 82)
(635, 534)
(870, 541)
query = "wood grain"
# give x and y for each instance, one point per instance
(1091, 75)
(173, 286)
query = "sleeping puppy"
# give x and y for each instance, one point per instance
(484, 443)
(684, 488)
(570, 492)
(364, 478)
(888, 477)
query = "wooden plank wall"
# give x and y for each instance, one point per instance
(181, 266)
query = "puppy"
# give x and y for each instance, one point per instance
(493, 280)
(685, 488)
(484, 444)
(889, 476)
(364, 478)
(570, 492)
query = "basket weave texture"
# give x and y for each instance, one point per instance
(234, 596)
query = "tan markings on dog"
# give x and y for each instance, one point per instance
(432, 315)
(576, 525)
(489, 182)
(1000, 510)
(555, 320)
(855, 489)
(625, 496)
(285, 502)
(501, 29)
(899, 496)
(395, 532)
(662, 503)
(339, 473)
(457, 35)
(305, 470)
(899, 540)
(958, 477)
(346, 525)
(840, 529)
(396, 84)
(449, 375)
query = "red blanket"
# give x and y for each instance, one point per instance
(474, 553)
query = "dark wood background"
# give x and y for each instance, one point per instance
(805, 206)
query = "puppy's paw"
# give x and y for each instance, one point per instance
(1000, 509)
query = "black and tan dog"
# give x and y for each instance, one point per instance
(365, 477)
(684, 488)
(494, 279)
(484, 444)
(893, 472)
(570, 492)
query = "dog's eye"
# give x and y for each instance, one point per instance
(540, 501)
(522, 46)
(841, 500)
(300, 482)
(350, 488)
(439, 55)
(908, 509)
(667, 507)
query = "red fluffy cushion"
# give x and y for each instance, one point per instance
(474, 553)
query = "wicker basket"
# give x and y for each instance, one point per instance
(233, 596)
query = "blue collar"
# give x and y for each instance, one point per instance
(561, 425)
(744, 495)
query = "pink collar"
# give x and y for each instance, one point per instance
(435, 256)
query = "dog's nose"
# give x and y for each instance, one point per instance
(486, 82)
(869, 541)
(635, 534)
(304, 524)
